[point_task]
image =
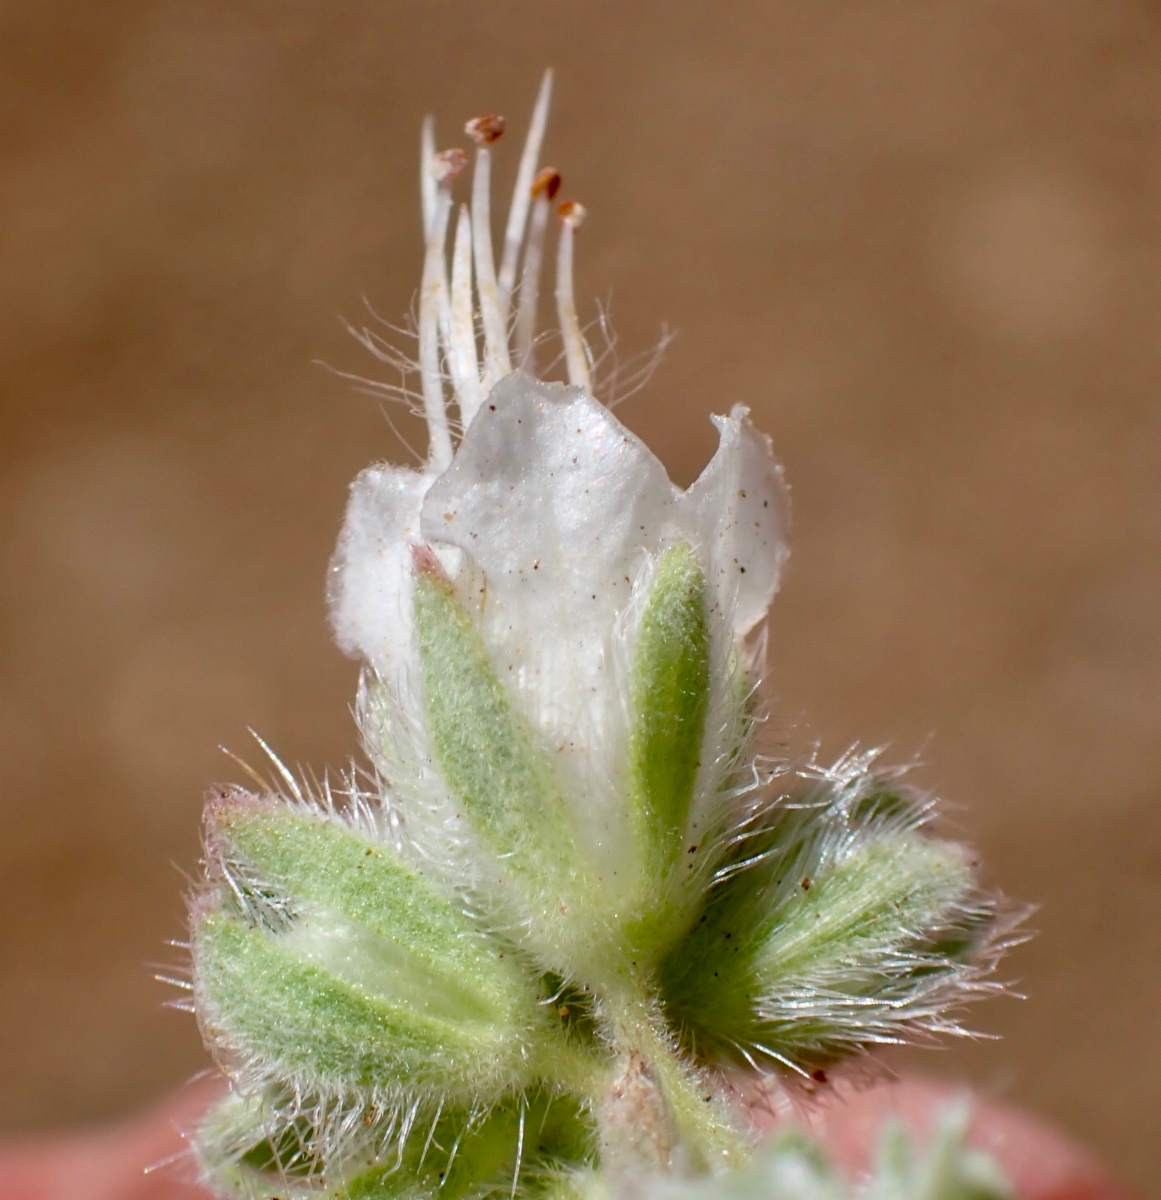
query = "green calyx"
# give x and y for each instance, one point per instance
(330, 960)
(834, 924)
(670, 692)
(395, 1032)
(541, 1137)
(540, 1143)
(488, 757)
(671, 688)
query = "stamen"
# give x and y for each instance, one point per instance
(486, 129)
(543, 190)
(447, 164)
(443, 308)
(452, 161)
(427, 182)
(522, 194)
(462, 361)
(497, 362)
(445, 167)
(576, 351)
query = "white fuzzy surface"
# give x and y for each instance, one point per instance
(370, 584)
(557, 511)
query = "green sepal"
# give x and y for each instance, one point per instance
(245, 1149)
(328, 957)
(670, 693)
(827, 929)
(324, 864)
(460, 1154)
(328, 1004)
(486, 750)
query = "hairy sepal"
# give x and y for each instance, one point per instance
(670, 696)
(834, 924)
(671, 684)
(321, 957)
(498, 775)
(245, 1147)
(527, 1145)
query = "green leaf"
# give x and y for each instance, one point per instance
(486, 751)
(828, 930)
(670, 689)
(333, 961)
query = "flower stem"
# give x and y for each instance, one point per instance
(657, 1112)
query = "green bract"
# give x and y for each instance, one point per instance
(525, 950)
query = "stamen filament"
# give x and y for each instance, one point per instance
(445, 166)
(542, 191)
(497, 362)
(462, 362)
(522, 194)
(427, 181)
(576, 351)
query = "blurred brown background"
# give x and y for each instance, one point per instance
(922, 240)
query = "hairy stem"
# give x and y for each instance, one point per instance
(657, 1112)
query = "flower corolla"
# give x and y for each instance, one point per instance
(548, 522)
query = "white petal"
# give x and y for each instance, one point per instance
(558, 504)
(740, 512)
(371, 580)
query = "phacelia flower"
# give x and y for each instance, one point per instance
(530, 948)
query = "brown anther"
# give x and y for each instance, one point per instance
(572, 212)
(486, 129)
(546, 183)
(447, 164)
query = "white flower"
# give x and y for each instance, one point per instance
(550, 517)
(568, 905)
